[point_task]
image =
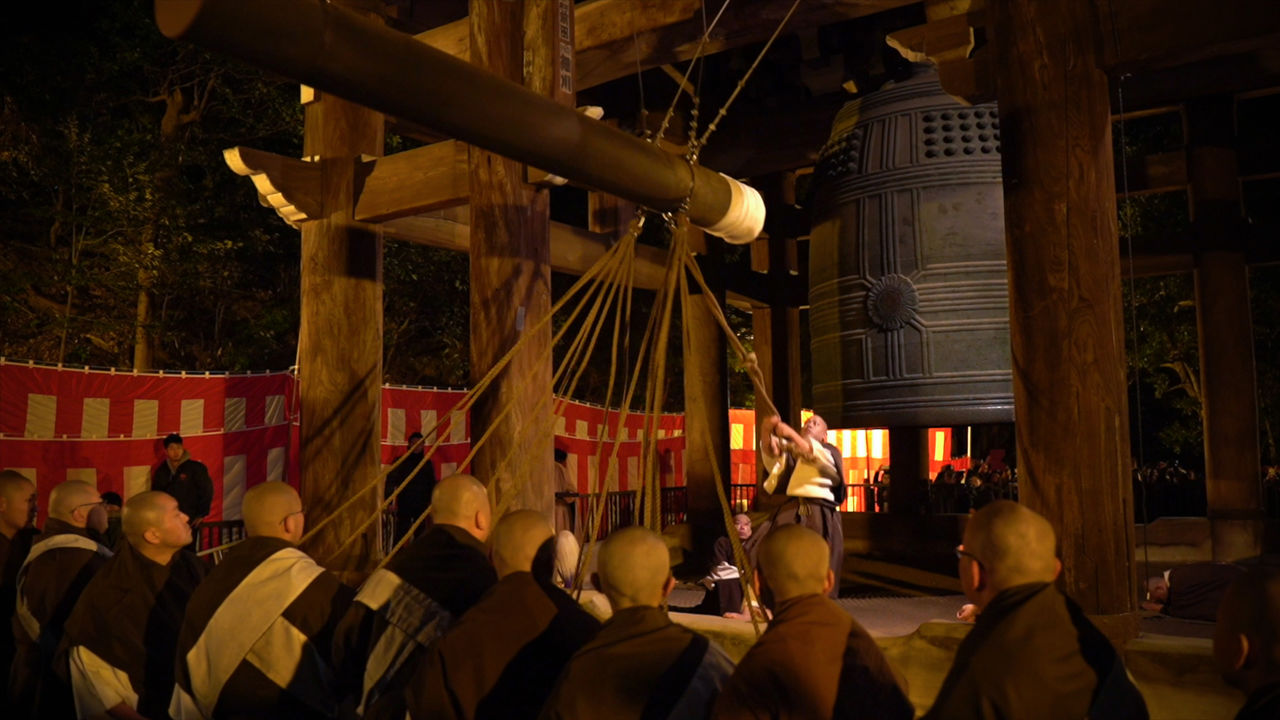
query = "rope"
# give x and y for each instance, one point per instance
(742, 83)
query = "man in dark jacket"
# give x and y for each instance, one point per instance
(61, 563)
(1032, 652)
(1246, 641)
(186, 480)
(415, 498)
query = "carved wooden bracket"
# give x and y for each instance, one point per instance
(950, 40)
(290, 186)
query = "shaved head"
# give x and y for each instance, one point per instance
(794, 561)
(519, 538)
(462, 500)
(1014, 544)
(153, 519)
(634, 568)
(269, 507)
(1246, 640)
(70, 496)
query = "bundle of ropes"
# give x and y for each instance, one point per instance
(605, 291)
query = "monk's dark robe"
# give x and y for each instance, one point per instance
(257, 638)
(1033, 654)
(1196, 590)
(501, 660)
(122, 636)
(1263, 704)
(401, 610)
(61, 563)
(13, 552)
(641, 666)
(814, 661)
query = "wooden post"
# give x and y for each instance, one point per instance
(908, 470)
(511, 281)
(1066, 331)
(1228, 390)
(340, 337)
(706, 403)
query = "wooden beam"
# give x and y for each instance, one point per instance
(597, 23)
(1146, 34)
(1161, 172)
(412, 182)
(291, 187)
(742, 24)
(796, 134)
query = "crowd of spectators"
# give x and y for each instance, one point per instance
(959, 491)
(1167, 489)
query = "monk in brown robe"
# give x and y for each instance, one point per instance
(256, 637)
(641, 665)
(1246, 641)
(17, 532)
(61, 563)
(122, 636)
(814, 660)
(1032, 653)
(502, 658)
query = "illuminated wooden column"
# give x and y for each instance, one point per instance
(1067, 335)
(340, 336)
(1228, 386)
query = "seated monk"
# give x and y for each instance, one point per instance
(814, 660)
(61, 563)
(502, 658)
(1191, 592)
(1031, 653)
(1246, 641)
(255, 641)
(641, 665)
(122, 636)
(404, 607)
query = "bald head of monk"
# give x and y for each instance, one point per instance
(273, 509)
(78, 504)
(523, 541)
(462, 501)
(1246, 639)
(155, 526)
(795, 561)
(1006, 545)
(634, 569)
(17, 502)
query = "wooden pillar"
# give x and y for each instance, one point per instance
(706, 403)
(340, 336)
(511, 281)
(1228, 388)
(777, 347)
(908, 470)
(1066, 331)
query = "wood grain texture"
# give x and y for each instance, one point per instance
(706, 406)
(412, 182)
(1064, 293)
(510, 288)
(1228, 381)
(340, 337)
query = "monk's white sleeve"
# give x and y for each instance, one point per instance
(97, 685)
